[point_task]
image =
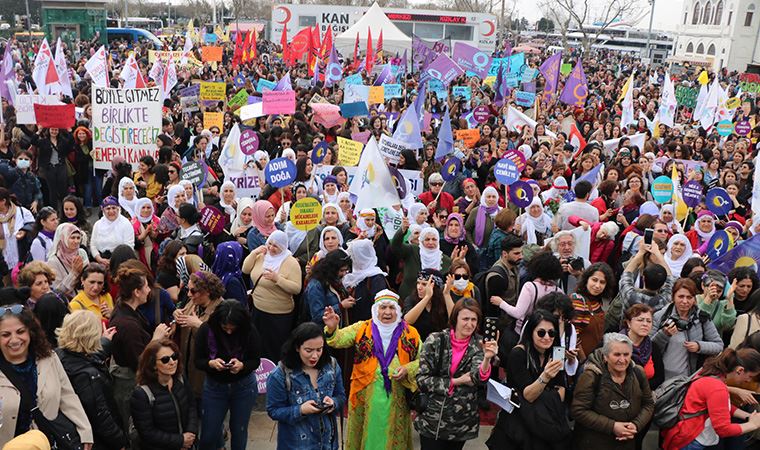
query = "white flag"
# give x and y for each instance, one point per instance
(186, 49)
(64, 80)
(44, 73)
(97, 67)
(707, 118)
(231, 158)
(516, 118)
(372, 184)
(131, 74)
(164, 76)
(666, 113)
(699, 108)
(627, 117)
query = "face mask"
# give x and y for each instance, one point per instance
(461, 285)
(23, 163)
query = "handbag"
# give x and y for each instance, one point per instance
(61, 431)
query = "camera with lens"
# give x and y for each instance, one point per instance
(681, 324)
(576, 262)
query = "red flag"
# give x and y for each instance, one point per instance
(315, 39)
(575, 138)
(300, 45)
(380, 44)
(327, 43)
(356, 51)
(253, 52)
(238, 55)
(246, 46)
(284, 43)
(369, 57)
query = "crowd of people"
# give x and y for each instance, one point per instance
(147, 328)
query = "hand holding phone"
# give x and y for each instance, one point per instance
(648, 236)
(558, 354)
(489, 332)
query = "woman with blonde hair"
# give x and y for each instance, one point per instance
(80, 342)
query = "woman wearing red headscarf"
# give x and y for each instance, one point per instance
(263, 224)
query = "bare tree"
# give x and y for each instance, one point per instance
(559, 16)
(602, 13)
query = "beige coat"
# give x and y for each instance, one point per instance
(270, 297)
(54, 395)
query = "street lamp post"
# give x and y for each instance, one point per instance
(649, 34)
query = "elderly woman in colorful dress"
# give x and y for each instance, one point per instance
(386, 361)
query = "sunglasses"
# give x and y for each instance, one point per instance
(172, 171)
(193, 290)
(463, 276)
(166, 359)
(436, 184)
(542, 333)
(13, 309)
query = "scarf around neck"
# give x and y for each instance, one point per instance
(9, 218)
(384, 343)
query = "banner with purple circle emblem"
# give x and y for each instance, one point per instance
(692, 193)
(521, 193)
(212, 220)
(319, 152)
(481, 114)
(450, 169)
(249, 142)
(718, 201)
(720, 244)
(742, 127)
(517, 157)
(506, 171)
(399, 181)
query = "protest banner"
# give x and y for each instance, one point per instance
(742, 128)
(213, 119)
(361, 136)
(356, 93)
(472, 59)
(523, 98)
(280, 172)
(212, 221)
(189, 98)
(521, 193)
(662, 189)
(529, 74)
(391, 148)
(354, 109)
(749, 82)
(470, 137)
(481, 114)
(214, 91)
(25, 106)
(265, 85)
(393, 91)
(691, 191)
(247, 182)
(249, 142)
(306, 213)
(327, 115)
(353, 79)
(506, 171)
(376, 95)
(211, 53)
(239, 99)
(126, 123)
(349, 152)
(54, 116)
(193, 172)
(565, 69)
(686, 96)
(164, 57)
(316, 98)
(319, 152)
(462, 91)
(412, 177)
(279, 102)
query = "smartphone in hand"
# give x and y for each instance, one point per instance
(489, 333)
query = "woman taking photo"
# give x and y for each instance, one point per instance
(452, 367)
(227, 348)
(79, 342)
(682, 333)
(94, 295)
(276, 278)
(309, 374)
(612, 379)
(30, 368)
(67, 259)
(709, 391)
(168, 420)
(110, 231)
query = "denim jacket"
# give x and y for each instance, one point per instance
(305, 432)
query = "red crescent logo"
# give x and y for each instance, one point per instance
(493, 27)
(288, 15)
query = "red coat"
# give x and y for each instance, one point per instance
(600, 249)
(709, 394)
(693, 238)
(445, 200)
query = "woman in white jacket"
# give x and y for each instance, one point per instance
(12, 220)
(110, 231)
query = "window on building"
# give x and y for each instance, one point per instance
(307, 21)
(406, 27)
(690, 48)
(458, 32)
(695, 14)
(684, 17)
(700, 49)
(706, 14)
(718, 13)
(748, 16)
(711, 49)
(428, 30)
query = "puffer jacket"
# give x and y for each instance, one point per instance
(455, 416)
(157, 424)
(599, 402)
(92, 384)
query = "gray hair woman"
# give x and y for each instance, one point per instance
(613, 402)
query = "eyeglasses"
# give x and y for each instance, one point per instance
(166, 359)
(463, 276)
(542, 333)
(13, 309)
(193, 290)
(285, 142)
(436, 184)
(172, 171)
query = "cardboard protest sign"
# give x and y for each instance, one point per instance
(280, 172)
(265, 85)
(211, 53)
(213, 119)
(470, 137)
(349, 152)
(54, 116)
(686, 96)
(279, 102)
(391, 148)
(392, 91)
(354, 109)
(214, 91)
(306, 213)
(327, 115)
(164, 57)
(126, 123)
(376, 95)
(239, 99)
(193, 172)
(25, 106)
(523, 98)
(462, 91)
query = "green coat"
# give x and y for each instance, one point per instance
(410, 254)
(722, 317)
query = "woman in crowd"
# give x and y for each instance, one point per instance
(145, 178)
(325, 287)
(538, 379)
(38, 277)
(166, 269)
(162, 406)
(45, 225)
(276, 278)
(747, 323)
(170, 217)
(227, 348)
(263, 224)
(109, 231)
(452, 367)
(460, 281)
(611, 379)
(67, 258)
(29, 367)
(386, 361)
(679, 251)
(330, 239)
(132, 336)
(74, 212)
(717, 300)
(205, 292)
(128, 198)
(702, 231)
(227, 262)
(708, 391)
(596, 288)
(746, 284)
(145, 225)
(479, 224)
(637, 324)
(365, 280)
(243, 222)
(305, 392)
(188, 231)
(427, 308)
(79, 341)
(682, 333)
(94, 295)
(545, 270)
(426, 255)
(535, 225)
(12, 219)
(454, 239)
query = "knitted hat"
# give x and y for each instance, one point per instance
(109, 201)
(330, 179)
(735, 225)
(386, 295)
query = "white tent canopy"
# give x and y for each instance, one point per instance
(394, 40)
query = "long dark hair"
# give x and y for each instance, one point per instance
(230, 312)
(526, 339)
(326, 269)
(729, 359)
(38, 342)
(168, 259)
(82, 214)
(301, 334)
(439, 316)
(609, 277)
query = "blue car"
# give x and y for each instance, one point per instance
(133, 35)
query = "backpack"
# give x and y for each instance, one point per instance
(669, 399)
(481, 281)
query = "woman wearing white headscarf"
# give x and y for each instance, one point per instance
(145, 225)
(330, 238)
(669, 218)
(365, 280)
(128, 197)
(276, 277)
(426, 255)
(332, 216)
(417, 213)
(535, 224)
(110, 231)
(228, 200)
(479, 224)
(243, 222)
(679, 251)
(190, 192)
(170, 217)
(67, 259)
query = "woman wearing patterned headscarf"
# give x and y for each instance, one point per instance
(146, 223)
(227, 262)
(67, 259)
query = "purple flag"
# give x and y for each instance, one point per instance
(404, 62)
(472, 59)
(576, 90)
(386, 76)
(6, 74)
(550, 70)
(443, 69)
(334, 70)
(420, 52)
(315, 78)
(284, 84)
(445, 138)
